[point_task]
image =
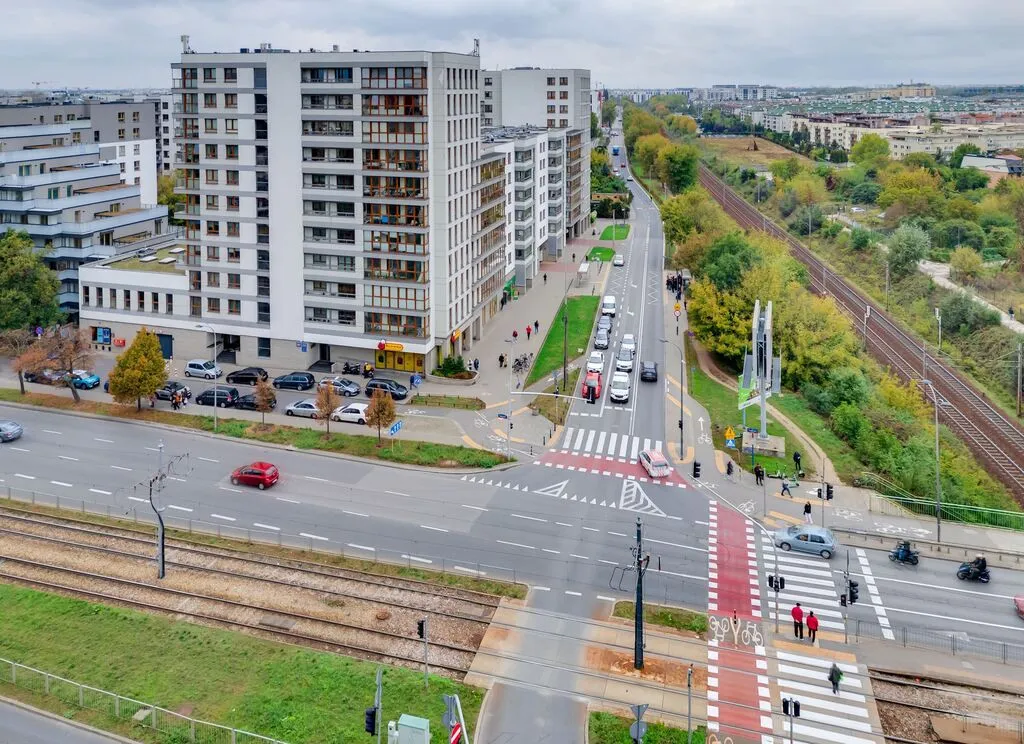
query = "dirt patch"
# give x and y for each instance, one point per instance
(185, 710)
(664, 671)
(738, 150)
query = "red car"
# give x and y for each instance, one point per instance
(591, 386)
(259, 474)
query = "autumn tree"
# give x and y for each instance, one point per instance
(28, 288)
(266, 399)
(721, 320)
(637, 123)
(813, 337)
(140, 371)
(784, 170)
(14, 343)
(608, 110)
(63, 350)
(871, 150)
(914, 192)
(327, 399)
(677, 167)
(690, 212)
(681, 124)
(380, 413)
(647, 150)
(965, 264)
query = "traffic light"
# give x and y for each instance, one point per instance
(680, 423)
(421, 628)
(829, 492)
(819, 492)
(853, 591)
(696, 469)
(777, 583)
(370, 721)
(591, 395)
(791, 707)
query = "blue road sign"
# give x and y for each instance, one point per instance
(730, 443)
(395, 428)
(503, 415)
(752, 430)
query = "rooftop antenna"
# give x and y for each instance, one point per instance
(185, 48)
(476, 47)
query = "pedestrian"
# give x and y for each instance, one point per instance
(1011, 312)
(835, 676)
(807, 513)
(798, 620)
(536, 326)
(545, 278)
(175, 401)
(574, 258)
(152, 401)
(529, 330)
(785, 489)
(515, 335)
(476, 365)
(812, 626)
(501, 361)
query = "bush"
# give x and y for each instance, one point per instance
(843, 386)
(951, 233)
(807, 220)
(451, 366)
(961, 314)
(865, 193)
(860, 239)
(831, 229)
(787, 202)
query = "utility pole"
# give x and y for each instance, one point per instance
(1020, 373)
(640, 561)
(421, 630)
(689, 703)
(887, 283)
(938, 319)
(154, 487)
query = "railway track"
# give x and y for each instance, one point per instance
(993, 437)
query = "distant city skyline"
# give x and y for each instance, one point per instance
(642, 44)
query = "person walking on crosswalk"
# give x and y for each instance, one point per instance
(812, 626)
(798, 621)
(835, 676)
(807, 513)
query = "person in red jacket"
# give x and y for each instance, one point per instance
(798, 621)
(812, 626)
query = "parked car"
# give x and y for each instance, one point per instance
(202, 368)
(84, 380)
(44, 377)
(248, 403)
(353, 413)
(604, 323)
(397, 390)
(619, 260)
(807, 538)
(222, 397)
(602, 339)
(342, 386)
(306, 408)
(655, 464)
(591, 388)
(10, 430)
(648, 371)
(628, 343)
(595, 362)
(624, 360)
(259, 474)
(618, 388)
(167, 391)
(295, 381)
(247, 376)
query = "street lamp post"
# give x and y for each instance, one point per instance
(938, 319)
(938, 478)
(207, 326)
(508, 421)
(682, 451)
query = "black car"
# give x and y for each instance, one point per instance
(224, 397)
(649, 371)
(342, 386)
(247, 376)
(167, 391)
(397, 390)
(295, 381)
(248, 403)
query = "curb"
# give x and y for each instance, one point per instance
(271, 445)
(68, 721)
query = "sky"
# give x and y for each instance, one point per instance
(625, 43)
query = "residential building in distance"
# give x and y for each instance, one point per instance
(552, 99)
(902, 90)
(164, 135)
(338, 206)
(734, 93)
(126, 131)
(998, 167)
(56, 185)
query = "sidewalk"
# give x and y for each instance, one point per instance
(939, 273)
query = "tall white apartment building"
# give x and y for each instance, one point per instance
(333, 211)
(553, 99)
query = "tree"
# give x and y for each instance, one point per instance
(647, 149)
(14, 343)
(956, 158)
(908, 245)
(921, 160)
(165, 195)
(719, 319)
(677, 166)
(681, 124)
(914, 191)
(327, 399)
(870, 150)
(865, 193)
(814, 337)
(608, 110)
(266, 399)
(692, 211)
(727, 260)
(787, 202)
(381, 412)
(860, 239)
(62, 350)
(28, 289)
(968, 179)
(807, 220)
(784, 170)
(953, 233)
(961, 208)
(140, 371)
(595, 126)
(965, 264)
(637, 123)
(961, 314)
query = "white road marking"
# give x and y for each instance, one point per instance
(26, 477)
(398, 493)
(476, 508)
(583, 557)
(617, 534)
(153, 449)
(179, 508)
(515, 545)
(233, 490)
(68, 457)
(435, 529)
(610, 563)
(180, 480)
(314, 478)
(469, 570)
(266, 526)
(351, 513)
(105, 441)
(316, 537)
(591, 529)
(62, 483)
(136, 498)
(563, 524)
(549, 550)
(207, 459)
(51, 431)
(542, 588)
(221, 516)
(118, 467)
(573, 594)
(606, 599)
(19, 449)
(362, 547)
(99, 491)
(289, 501)
(532, 519)
(410, 557)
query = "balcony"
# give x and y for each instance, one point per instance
(523, 197)
(400, 220)
(388, 192)
(398, 275)
(386, 329)
(555, 211)
(329, 213)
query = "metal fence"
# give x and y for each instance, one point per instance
(956, 644)
(174, 726)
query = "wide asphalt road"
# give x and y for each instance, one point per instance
(20, 726)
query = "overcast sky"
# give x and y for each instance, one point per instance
(626, 43)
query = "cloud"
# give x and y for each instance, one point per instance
(655, 43)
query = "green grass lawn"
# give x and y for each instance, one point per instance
(669, 617)
(556, 409)
(608, 728)
(448, 401)
(848, 466)
(615, 232)
(721, 403)
(601, 253)
(272, 689)
(581, 311)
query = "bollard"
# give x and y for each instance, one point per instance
(531, 450)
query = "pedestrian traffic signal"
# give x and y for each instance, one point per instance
(696, 469)
(421, 628)
(776, 583)
(829, 493)
(370, 721)
(853, 591)
(680, 423)
(819, 493)
(791, 707)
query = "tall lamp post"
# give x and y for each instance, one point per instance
(938, 479)
(682, 451)
(213, 358)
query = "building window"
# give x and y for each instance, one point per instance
(212, 201)
(211, 152)
(230, 100)
(234, 281)
(154, 302)
(120, 134)
(53, 193)
(210, 126)
(234, 307)
(263, 347)
(195, 307)
(209, 74)
(209, 100)
(136, 149)
(233, 203)
(213, 227)
(551, 122)
(212, 279)
(563, 109)
(212, 253)
(231, 126)
(231, 152)
(563, 95)
(127, 299)
(230, 74)
(169, 303)
(551, 95)
(262, 259)
(551, 109)
(211, 175)
(551, 81)
(563, 123)
(563, 81)
(122, 167)
(234, 254)
(96, 136)
(262, 312)
(120, 117)
(141, 297)
(85, 295)
(213, 304)
(135, 133)
(233, 230)
(231, 177)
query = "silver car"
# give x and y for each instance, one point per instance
(619, 260)
(618, 389)
(601, 339)
(305, 408)
(807, 538)
(10, 430)
(595, 363)
(629, 343)
(624, 360)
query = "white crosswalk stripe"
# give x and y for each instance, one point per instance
(824, 716)
(809, 581)
(605, 444)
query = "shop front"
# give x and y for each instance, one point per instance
(392, 355)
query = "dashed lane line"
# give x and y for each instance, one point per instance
(573, 594)
(515, 545)
(179, 508)
(469, 570)
(435, 529)
(532, 519)
(356, 546)
(221, 516)
(316, 537)
(26, 477)
(474, 508)
(19, 449)
(407, 557)
(61, 483)
(266, 526)
(233, 490)
(105, 441)
(356, 514)
(99, 491)
(51, 431)
(118, 467)
(136, 498)
(208, 459)
(67, 457)
(287, 501)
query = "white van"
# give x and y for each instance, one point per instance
(608, 306)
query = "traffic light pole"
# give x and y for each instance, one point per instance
(638, 615)
(422, 628)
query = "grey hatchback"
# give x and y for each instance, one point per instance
(807, 538)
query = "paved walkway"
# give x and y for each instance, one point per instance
(939, 272)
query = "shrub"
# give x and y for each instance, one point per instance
(865, 193)
(860, 239)
(961, 314)
(807, 220)
(787, 202)
(452, 366)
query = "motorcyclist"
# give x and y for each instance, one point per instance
(903, 550)
(978, 566)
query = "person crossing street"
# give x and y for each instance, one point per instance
(812, 626)
(798, 621)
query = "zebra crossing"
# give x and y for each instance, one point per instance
(609, 445)
(845, 718)
(809, 581)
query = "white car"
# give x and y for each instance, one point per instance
(619, 260)
(595, 362)
(305, 408)
(629, 178)
(202, 368)
(618, 389)
(628, 343)
(624, 360)
(655, 464)
(353, 413)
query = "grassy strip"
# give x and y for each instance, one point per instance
(615, 232)
(411, 452)
(374, 568)
(449, 401)
(273, 689)
(601, 253)
(721, 403)
(845, 461)
(657, 192)
(668, 617)
(581, 311)
(608, 728)
(556, 410)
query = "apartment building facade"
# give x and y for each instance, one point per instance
(57, 186)
(334, 210)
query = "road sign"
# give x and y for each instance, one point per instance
(730, 443)
(730, 433)
(752, 430)
(678, 314)
(395, 428)
(636, 730)
(677, 307)
(503, 415)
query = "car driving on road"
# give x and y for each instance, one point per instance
(396, 389)
(84, 380)
(628, 343)
(295, 381)
(648, 371)
(619, 260)
(624, 360)
(259, 474)
(655, 464)
(10, 430)
(604, 323)
(601, 339)
(595, 362)
(202, 368)
(618, 388)
(807, 538)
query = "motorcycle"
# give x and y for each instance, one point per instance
(911, 557)
(351, 368)
(368, 371)
(966, 572)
